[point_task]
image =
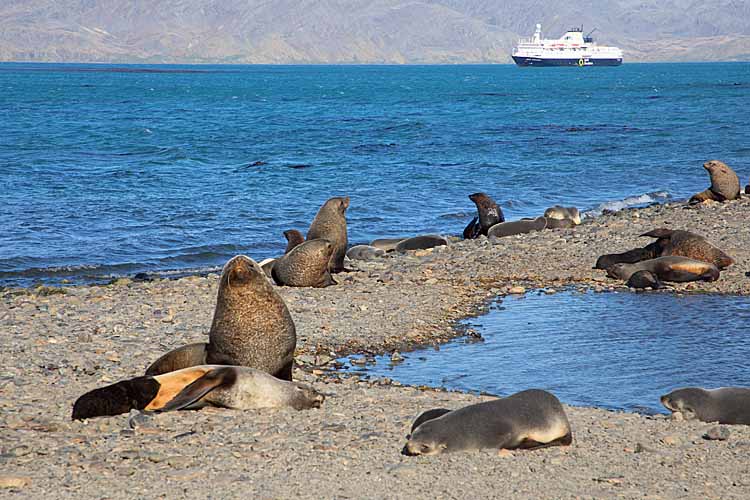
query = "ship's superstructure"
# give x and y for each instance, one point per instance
(572, 49)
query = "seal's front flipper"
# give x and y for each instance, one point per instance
(200, 387)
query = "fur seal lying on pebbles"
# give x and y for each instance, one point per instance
(251, 326)
(364, 252)
(489, 215)
(645, 279)
(237, 387)
(727, 405)
(559, 223)
(330, 224)
(306, 265)
(421, 243)
(527, 419)
(512, 228)
(650, 251)
(677, 269)
(690, 245)
(725, 185)
(387, 244)
(558, 212)
(293, 238)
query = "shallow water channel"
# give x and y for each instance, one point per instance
(610, 350)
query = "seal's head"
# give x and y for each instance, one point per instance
(685, 401)
(306, 397)
(620, 271)
(241, 276)
(426, 439)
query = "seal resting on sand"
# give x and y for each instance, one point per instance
(690, 245)
(645, 279)
(727, 405)
(676, 269)
(306, 265)
(330, 224)
(421, 243)
(364, 252)
(558, 212)
(237, 387)
(489, 215)
(528, 419)
(725, 185)
(650, 251)
(251, 327)
(515, 227)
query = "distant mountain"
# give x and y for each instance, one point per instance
(360, 31)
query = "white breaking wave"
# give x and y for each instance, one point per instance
(631, 201)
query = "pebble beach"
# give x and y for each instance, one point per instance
(61, 342)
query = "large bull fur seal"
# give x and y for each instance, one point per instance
(690, 245)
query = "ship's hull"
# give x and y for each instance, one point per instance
(538, 61)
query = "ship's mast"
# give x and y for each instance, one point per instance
(538, 34)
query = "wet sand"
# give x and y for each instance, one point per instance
(57, 346)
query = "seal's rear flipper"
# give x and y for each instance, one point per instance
(530, 444)
(199, 388)
(658, 233)
(177, 359)
(117, 398)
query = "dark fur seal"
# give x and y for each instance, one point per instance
(421, 243)
(489, 215)
(293, 238)
(725, 185)
(690, 245)
(561, 213)
(645, 279)
(727, 405)
(528, 419)
(515, 227)
(330, 224)
(237, 387)
(251, 326)
(650, 251)
(677, 269)
(306, 265)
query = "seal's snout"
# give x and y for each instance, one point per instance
(407, 451)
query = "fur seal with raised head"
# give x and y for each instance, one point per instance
(725, 185)
(306, 265)
(364, 252)
(293, 238)
(528, 419)
(559, 212)
(237, 387)
(387, 244)
(330, 224)
(422, 242)
(515, 227)
(690, 245)
(251, 326)
(673, 268)
(726, 405)
(489, 215)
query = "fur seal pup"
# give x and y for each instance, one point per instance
(330, 224)
(306, 265)
(650, 251)
(422, 242)
(559, 212)
(364, 252)
(677, 269)
(527, 419)
(237, 387)
(293, 238)
(726, 405)
(489, 215)
(725, 185)
(645, 279)
(522, 226)
(387, 244)
(251, 326)
(690, 245)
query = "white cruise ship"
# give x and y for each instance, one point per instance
(572, 49)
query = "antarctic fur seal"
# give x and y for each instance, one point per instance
(387, 244)
(559, 212)
(725, 185)
(293, 238)
(527, 419)
(306, 265)
(690, 245)
(422, 242)
(330, 224)
(645, 279)
(515, 227)
(673, 268)
(364, 252)
(251, 326)
(650, 251)
(551, 223)
(237, 387)
(726, 405)
(489, 215)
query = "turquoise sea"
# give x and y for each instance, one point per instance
(113, 170)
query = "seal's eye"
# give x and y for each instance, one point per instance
(425, 448)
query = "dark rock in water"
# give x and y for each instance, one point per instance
(142, 277)
(257, 164)
(421, 243)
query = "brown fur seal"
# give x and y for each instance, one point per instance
(306, 265)
(558, 223)
(558, 212)
(677, 269)
(422, 242)
(650, 251)
(387, 244)
(725, 185)
(645, 279)
(690, 245)
(293, 238)
(528, 419)
(330, 224)
(251, 325)
(515, 227)
(489, 215)
(237, 387)
(727, 405)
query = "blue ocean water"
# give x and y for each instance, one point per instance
(109, 170)
(612, 350)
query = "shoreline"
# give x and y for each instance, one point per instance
(58, 346)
